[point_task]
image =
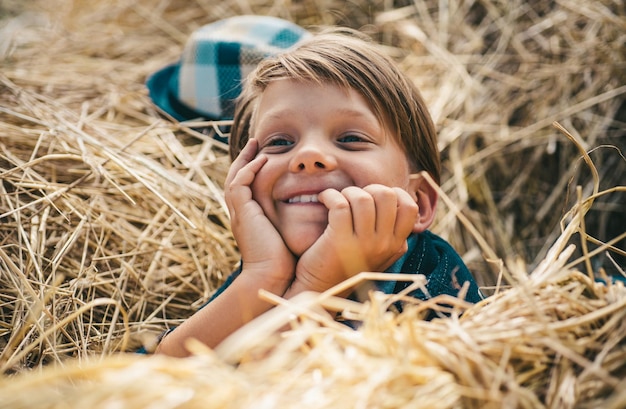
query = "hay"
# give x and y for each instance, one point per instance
(496, 75)
(88, 219)
(112, 223)
(113, 226)
(557, 339)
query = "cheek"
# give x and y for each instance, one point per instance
(400, 174)
(392, 176)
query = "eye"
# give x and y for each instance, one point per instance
(355, 141)
(351, 138)
(275, 143)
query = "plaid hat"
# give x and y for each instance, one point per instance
(207, 78)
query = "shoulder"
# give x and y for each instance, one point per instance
(444, 268)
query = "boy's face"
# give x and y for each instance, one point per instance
(318, 137)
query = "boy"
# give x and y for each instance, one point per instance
(325, 140)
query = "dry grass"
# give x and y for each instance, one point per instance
(113, 227)
(556, 339)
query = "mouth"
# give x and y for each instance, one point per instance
(303, 199)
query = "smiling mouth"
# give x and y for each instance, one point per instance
(303, 199)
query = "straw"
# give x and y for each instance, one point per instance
(113, 225)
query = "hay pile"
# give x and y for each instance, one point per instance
(97, 235)
(496, 74)
(113, 226)
(557, 339)
(112, 223)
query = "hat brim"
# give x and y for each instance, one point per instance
(163, 88)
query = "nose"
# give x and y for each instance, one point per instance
(312, 158)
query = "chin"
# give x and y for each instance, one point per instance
(299, 248)
(301, 243)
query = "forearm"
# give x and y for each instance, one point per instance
(236, 306)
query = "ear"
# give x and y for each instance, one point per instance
(426, 197)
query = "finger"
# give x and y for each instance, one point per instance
(407, 214)
(363, 210)
(247, 154)
(246, 174)
(386, 202)
(238, 192)
(339, 213)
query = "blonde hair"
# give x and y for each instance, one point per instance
(348, 59)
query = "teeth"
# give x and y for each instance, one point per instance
(304, 199)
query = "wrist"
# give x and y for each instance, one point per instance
(305, 282)
(267, 277)
(296, 287)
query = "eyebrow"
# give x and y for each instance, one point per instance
(288, 112)
(355, 113)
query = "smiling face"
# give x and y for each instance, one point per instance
(318, 137)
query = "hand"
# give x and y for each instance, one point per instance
(367, 231)
(267, 264)
(263, 250)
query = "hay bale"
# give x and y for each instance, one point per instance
(557, 339)
(113, 226)
(496, 75)
(113, 222)
(89, 221)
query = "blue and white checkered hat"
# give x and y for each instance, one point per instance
(217, 57)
